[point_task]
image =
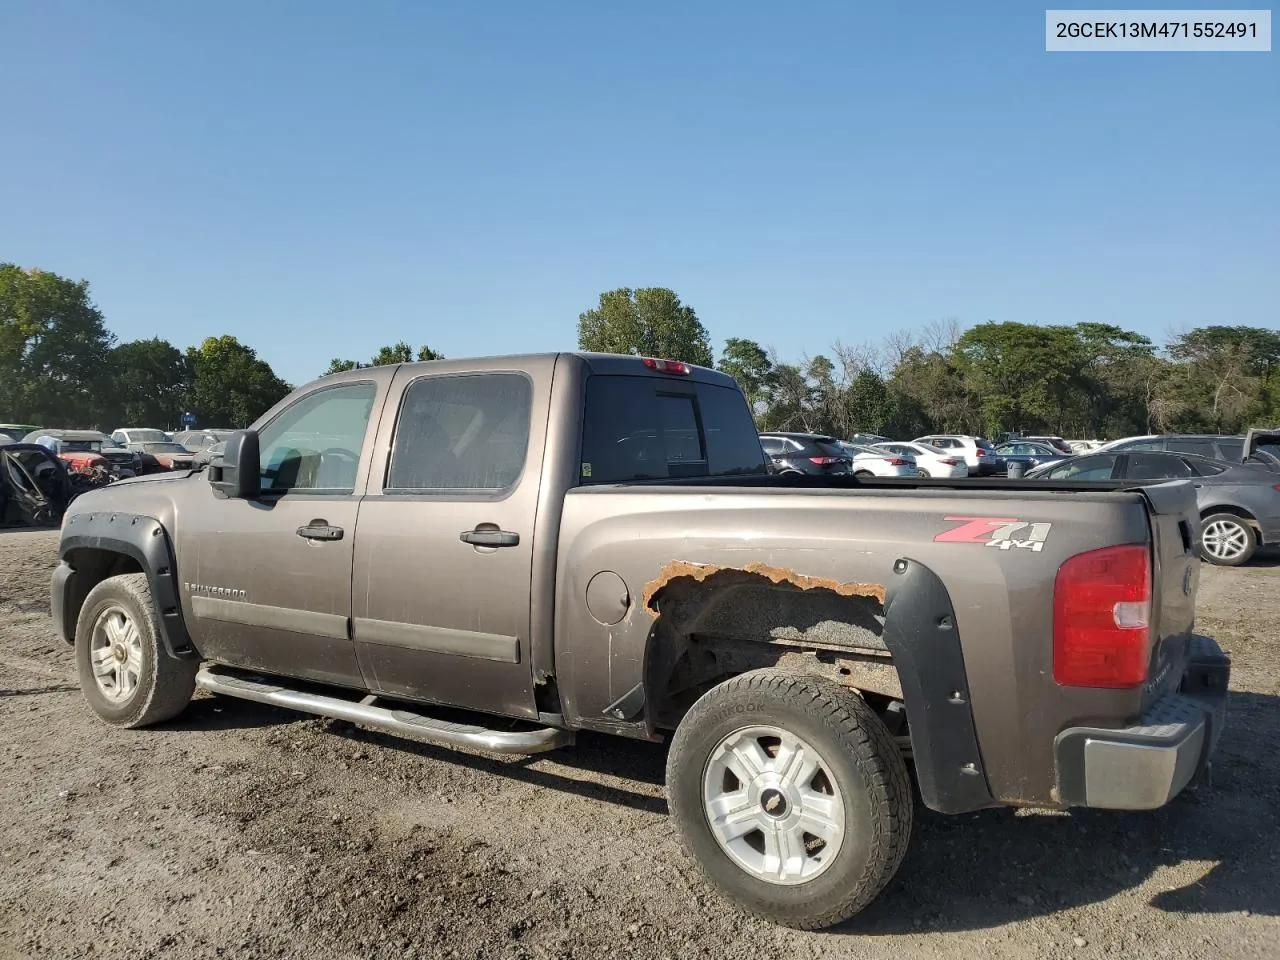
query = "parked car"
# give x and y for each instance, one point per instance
(1262, 446)
(35, 485)
(207, 455)
(14, 432)
(872, 462)
(1057, 443)
(85, 451)
(1029, 454)
(931, 461)
(129, 436)
(1083, 446)
(475, 541)
(815, 454)
(1239, 504)
(1217, 446)
(979, 454)
(868, 439)
(196, 440)
(170, 455)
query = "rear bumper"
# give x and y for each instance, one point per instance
(1144, 766)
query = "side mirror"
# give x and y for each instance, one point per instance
(238, 475)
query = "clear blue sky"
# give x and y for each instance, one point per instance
(320, 178)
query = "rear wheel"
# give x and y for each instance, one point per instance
(863, 474)
(126, 674)
(1227, 540)
(792, 797)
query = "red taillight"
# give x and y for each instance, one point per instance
(895, 461)
(981, 452)
(667, 366)
(952, 463)
(824, 461)
(1101, 614)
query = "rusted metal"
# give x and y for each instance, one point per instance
(700, 572)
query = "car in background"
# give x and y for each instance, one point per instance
(1263, 446)
(873, 462)
(1215, 445)
(813, 454)
(979, 454)
(196, 440)
(170, 455)
(14, 432)
(868, 439)
(205, 455)
(85, 451)
(1083, 446)
(1029, 454)
(931, 461)
(129, 436)
(1239, 503)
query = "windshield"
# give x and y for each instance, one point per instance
(165, 448)
(146, 436)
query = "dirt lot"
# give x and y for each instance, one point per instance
(242, 831)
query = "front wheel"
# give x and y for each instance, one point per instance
(126, 674)
(792, 797)
(1227, 540)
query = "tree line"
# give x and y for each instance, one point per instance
(1085, 380)
(60, 366)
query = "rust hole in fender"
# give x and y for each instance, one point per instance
(677, 570)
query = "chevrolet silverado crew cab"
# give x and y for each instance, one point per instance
(588, 542)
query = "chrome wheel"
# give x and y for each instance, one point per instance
(115, 653)
(1225, 540)
(773, 805)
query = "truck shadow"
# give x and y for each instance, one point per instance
(1213, 850)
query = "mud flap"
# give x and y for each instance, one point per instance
(920, 632)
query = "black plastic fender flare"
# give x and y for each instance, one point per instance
(145, 540)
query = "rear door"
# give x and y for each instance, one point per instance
(444, 556)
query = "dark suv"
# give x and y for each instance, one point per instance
(813, 453)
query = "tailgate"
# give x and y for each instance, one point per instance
(1175, 575)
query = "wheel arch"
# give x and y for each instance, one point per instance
(1234, 511)
(96, 546)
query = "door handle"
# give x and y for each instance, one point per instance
(489, 537)
(320, 530)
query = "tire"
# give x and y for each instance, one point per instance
(1227, 540)
(859, 796)
(863, 474)
(136, 683)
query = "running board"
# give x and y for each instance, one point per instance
(404, 723)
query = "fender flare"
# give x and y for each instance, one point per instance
(145, 540)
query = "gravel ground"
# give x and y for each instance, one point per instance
(244, 831)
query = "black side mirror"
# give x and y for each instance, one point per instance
(238, 475)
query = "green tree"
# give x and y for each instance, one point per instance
(54, 347)
(648, 322)
(230, 385)
(1224, 378)
(396, 353)
(150, 384)
(750, 366)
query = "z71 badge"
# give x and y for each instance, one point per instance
(1003, 533)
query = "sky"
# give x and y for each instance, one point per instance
(320, 178)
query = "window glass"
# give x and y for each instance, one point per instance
(315, 444)
(1153, 466)
(772, 446)
(1085, 468)
(1231, 449)
(462, 433)
(1202, 447)
(1207, 468)
(1156, 444)
(641, 428)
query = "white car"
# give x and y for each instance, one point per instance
(878, 463)
(127, 436)
(979, 454)
(932, 461)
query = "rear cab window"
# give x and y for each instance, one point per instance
(651, 428)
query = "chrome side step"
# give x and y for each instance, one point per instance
(399, 721)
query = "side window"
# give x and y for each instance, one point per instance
(1207, 468)
(642, 428)
(1086, 468)
(772, 446)
(1153, 466)
(1156, 444)
(468, 432)
(1232, 450)
(315, 444)
(1203, 447)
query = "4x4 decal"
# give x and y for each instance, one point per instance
(1003, 533)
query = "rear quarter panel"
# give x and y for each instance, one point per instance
(1003, 597)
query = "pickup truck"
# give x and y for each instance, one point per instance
(583, 542)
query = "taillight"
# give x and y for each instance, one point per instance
(895, 461)
(824, 461)
(981, 452)
(952, 463)
(1101, 618)
(667, 366)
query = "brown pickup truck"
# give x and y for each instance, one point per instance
(586, 542)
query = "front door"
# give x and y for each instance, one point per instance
(445, 549)
(266, 583)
